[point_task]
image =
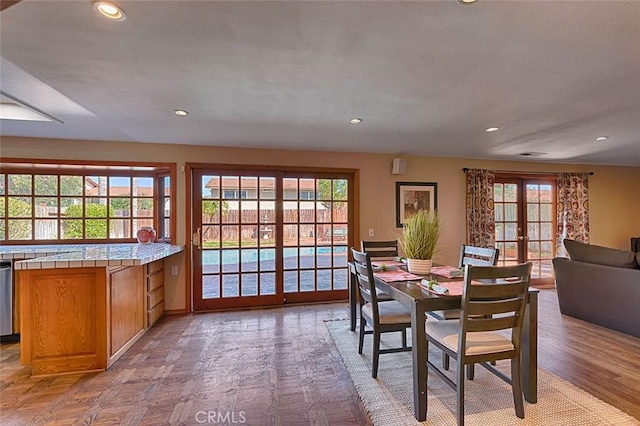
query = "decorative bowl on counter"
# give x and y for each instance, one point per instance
(146, 235)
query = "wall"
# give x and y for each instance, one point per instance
(614, 191)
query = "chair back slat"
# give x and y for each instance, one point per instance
(478, 256)
(380, 249)
(495, 291)
(491, 308)
(492, 324)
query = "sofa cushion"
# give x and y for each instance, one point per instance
(590, 253)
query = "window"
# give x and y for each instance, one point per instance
(80, 205)
(307, 195)
(234, 194)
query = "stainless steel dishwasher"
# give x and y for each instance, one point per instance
(6, 303)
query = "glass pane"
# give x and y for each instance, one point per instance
(267, 188)
(546, 250)
(210, 236)
(546, 268)
(499, 212)
(340, 189)
(340, 234)
(341, 211)
(2, 184)
(167, 229)
(230, 260)
(268, 283)
(249, 261)
(340, 257)
(20, 229)
(119, 186)
(290, 258)
(307, 189)
(499, 231)
(119, 228)
(2, 207)
(2, 230)
(210, 286)
(511, 251)
(249, 188)
(511, 212)
(307, 281)
(95, 228)
(46, 229)
(307, 257)
(307, 212)
(143, 207)
(532, 193)
(230, 235)
(323, 211)
(268, 259)
(510, 192)
(307, 234)
(249, 284)
(143, 186)
(545, 212)
(73, 185)
(19, 207)
(66, 202)
(71, 229)
(45, 185)
(511, 231)
(230, 286)
(290, 235)
(324, 279)
(210, 261)
(535, 270)
(249, 235)
(19, 184)
(533, 231)
(120, 207)
(210, 211)
(498, 192)
(230, 187)
(290, 187)
(532, 212)
(546, 231)
(139, 223)
(324, 189)
(500, 247)
(324, 234)
(95, 207)
(46, 207)
(290, 281)
(210, 187)
(546, 194)
(533, 250)
(339, 279)
(323, 259)
(290, 211)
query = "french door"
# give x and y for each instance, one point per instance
(525, 221)
(269, 237)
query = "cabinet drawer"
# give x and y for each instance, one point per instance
(154, 267)
(155, 298)
(155, 281)
(155, 313)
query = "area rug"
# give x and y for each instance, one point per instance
(488, 400)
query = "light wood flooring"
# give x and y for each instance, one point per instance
(274, 367)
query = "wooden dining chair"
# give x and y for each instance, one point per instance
(474, 338)
(469, 255)
(381, 250)
(381, 316)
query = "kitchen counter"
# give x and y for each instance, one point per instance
(56, 256)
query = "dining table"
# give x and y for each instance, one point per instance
(421, 301)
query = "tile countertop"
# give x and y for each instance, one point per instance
(86, 255)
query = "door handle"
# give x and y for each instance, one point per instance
(523, 238)
(196, 238)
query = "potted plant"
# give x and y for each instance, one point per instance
(419, 239)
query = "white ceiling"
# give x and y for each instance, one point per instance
(426, 77)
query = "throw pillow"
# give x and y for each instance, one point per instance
(590, 253)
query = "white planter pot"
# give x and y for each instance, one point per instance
(419, 266)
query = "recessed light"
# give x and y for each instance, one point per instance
(466, 1)
(602, 138)
(109, 10)
(355, 121)
(492, 129)
(181, 113)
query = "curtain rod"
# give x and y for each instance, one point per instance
(466, 169)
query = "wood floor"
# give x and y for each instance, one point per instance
(274, 367)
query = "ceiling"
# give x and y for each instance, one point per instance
(427, 78)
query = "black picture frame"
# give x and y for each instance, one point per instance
(414, 196)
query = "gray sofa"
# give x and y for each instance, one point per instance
(600, 285)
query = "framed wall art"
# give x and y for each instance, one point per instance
(414, 196)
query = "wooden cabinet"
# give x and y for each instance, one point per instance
(155, 291)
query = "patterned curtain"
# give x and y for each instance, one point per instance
(573, 209)
(481, 223)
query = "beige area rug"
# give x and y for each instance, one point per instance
(488, 400)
